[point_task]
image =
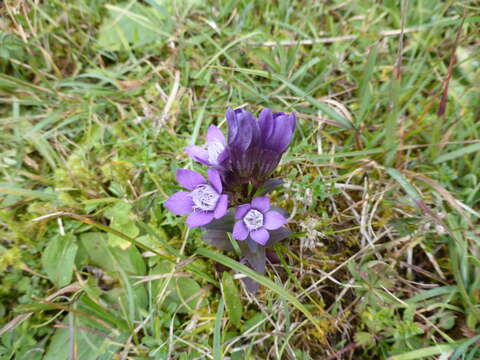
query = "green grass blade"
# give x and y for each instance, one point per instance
(391, 126)
(299, 92)
(427, 294)
(235, 265)
(364, 91)
(462, 349)
(232, 299)
(218, 54)
(402, 180)
(458, 153)
(217, 332)
(425, 352)
(145, 227)
(322, 107)
(36, 194)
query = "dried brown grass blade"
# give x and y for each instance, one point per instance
(17, 320)
(442, 191)
(443, 102)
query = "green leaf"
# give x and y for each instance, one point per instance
(119, 212)
(129, 228)
(364, 339)
(159, 235)
(183, 293)
(447, 321)
(90, 343)
(253, 321)
(35, 307)
(95, 244)
(232, 300)
(188, 289)
(130, 25)
(58, 259)
(121, 220)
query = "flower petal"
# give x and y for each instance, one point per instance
(199, 218)
(221, 208)
(256, 133)
(242, 210)
(240, 231)
(179, 203)
(274, 220)
(232, 123)
(215, 134)
(189, 179)
(270, 160)
(261, 203)
(292, 121)
(266, 123)
(215, 180)
(282, 133)
(198, 154)
(241, 126)
(260, 236)
(223, 157)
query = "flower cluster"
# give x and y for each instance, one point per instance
(233, 198)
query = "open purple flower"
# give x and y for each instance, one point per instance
(213, 152)
(204, 202)
(256, 219)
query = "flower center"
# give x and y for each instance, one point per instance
(253, 219)
(204, 198)
(214, 149)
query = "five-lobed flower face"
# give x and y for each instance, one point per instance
(255, 219)
(205, 200)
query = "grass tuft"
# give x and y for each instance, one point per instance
(98, 100)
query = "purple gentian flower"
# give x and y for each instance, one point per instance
(213, 153)
(256, 219)
(276, 130)
(243, 129)
(243, 144)
(255, 147)
(205, 200)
